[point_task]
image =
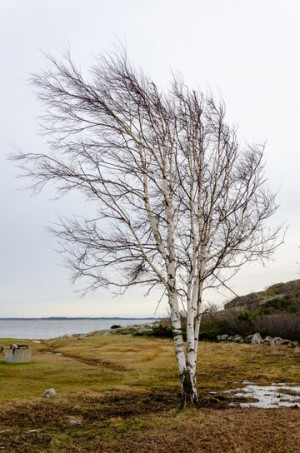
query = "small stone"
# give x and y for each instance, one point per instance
(72, 421)
(224, 337)
(49, 393)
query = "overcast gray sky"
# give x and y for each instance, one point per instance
(246, 51)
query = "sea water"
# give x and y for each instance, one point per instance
(50, 328)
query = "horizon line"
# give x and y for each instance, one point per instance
(74, 317)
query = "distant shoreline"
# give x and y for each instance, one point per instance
(59, 326)
(62, 318)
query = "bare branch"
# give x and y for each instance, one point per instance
(179, 203)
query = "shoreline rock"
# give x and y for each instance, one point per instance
(257, 339)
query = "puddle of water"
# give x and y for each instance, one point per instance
(267, 397)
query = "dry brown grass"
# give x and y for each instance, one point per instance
(124, 390)
(144, 423)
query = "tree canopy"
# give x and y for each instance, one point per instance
(179, 202)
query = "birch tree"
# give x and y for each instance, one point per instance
(179, 203)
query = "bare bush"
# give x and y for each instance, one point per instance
(284, 325)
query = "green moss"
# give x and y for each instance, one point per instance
(280, 304)
(278, 288)
(247, 316)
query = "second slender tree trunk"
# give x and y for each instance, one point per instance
(186, 361)
(188, 388)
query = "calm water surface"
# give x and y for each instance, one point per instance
(50, 328)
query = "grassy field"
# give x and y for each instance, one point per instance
(120, 394)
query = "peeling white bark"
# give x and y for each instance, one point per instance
(177, 333)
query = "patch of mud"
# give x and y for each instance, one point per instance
(88, 361)
(265, 397)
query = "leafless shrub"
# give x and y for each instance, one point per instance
(284, 325)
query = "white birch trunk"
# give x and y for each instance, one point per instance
(198, 320)
(191, 345)
(186, 369)
(177, 334)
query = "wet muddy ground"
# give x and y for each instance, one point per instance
(146, 423)
(265, 396)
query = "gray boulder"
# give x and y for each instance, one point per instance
(248, 338)
(256, 338)
(276, 341)
(268, 341)
(294, 344)
(49, 393)
(237, 339)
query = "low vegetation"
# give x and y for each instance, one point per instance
(119, 393)
(274, 312)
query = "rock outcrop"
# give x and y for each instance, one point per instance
(257, 339)
(278, 297)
